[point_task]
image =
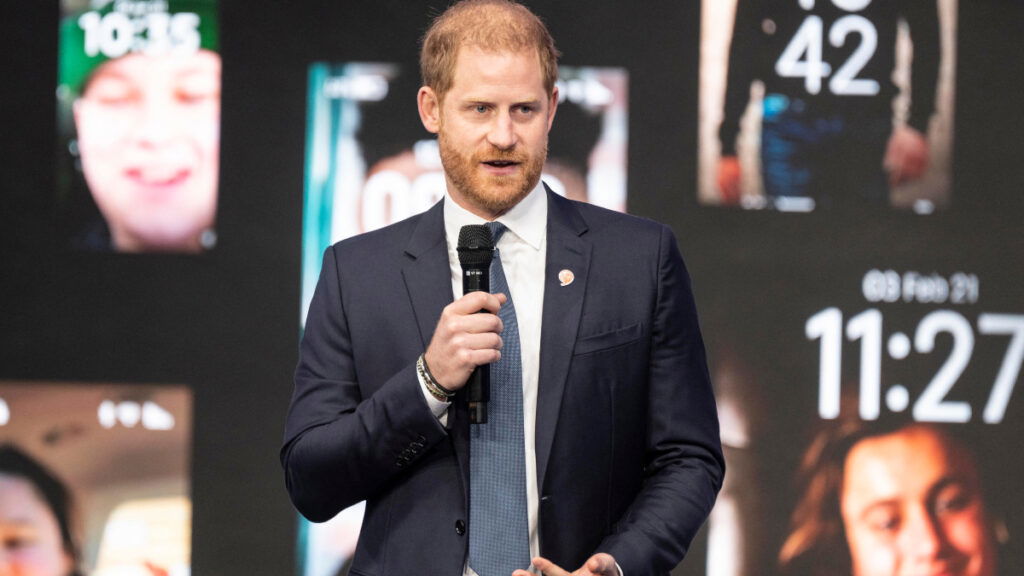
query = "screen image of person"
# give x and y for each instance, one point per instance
(35, 519)
(892, 500)
(146, 122)
(829, 135)
(600, 450)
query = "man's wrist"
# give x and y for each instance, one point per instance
(435, 389)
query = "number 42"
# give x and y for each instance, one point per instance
(803, 56)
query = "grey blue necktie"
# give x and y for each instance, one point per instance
(499, 540)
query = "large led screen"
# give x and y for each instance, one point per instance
(825, 104)
(95, 479)
(138, 106)
(869, 412)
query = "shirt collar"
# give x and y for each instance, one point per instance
(528, 219)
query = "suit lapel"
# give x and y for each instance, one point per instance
(567, 249)
(427, 274)
(428, 281)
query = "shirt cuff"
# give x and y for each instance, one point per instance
(438, 408)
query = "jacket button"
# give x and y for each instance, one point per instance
(460, 527)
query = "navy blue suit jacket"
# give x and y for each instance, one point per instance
(628, 454)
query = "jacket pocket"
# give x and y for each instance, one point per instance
(607, 340)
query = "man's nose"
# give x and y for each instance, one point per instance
(502, 133)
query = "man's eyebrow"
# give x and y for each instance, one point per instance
(491, 101)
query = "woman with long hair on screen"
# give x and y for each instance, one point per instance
(892, 499)
(35, 527)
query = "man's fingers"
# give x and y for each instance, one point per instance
(602, 564)
(479, 356)
(548, 568)
(477, 301)
(472, 341)
(456, 325)
(464, 339)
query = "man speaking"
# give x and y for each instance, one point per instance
(600, 452)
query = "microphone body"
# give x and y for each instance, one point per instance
(475, 249)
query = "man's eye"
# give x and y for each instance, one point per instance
(480, 109)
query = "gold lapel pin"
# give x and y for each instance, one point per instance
(565, 277)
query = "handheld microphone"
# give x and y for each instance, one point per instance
(476, 247)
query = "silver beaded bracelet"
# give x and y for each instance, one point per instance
(433, 387)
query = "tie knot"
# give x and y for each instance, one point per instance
(497, 229)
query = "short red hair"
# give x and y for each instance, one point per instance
(492, 25)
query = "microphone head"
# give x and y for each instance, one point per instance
(475, 246)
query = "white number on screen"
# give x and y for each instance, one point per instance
(1013, 325)
(845, 82)
(867, 327)
(113, 35)
(826, 326)
(931, 407)
(802, 57)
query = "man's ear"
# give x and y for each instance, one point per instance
(553, 107)
(430, 109)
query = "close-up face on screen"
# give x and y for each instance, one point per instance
(95, 479)
(139, 113)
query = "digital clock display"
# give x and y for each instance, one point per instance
(868, 330)
(116, 33)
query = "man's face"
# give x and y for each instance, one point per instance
(149, 138)
(492, 128)
(911, 506)
(30, 541)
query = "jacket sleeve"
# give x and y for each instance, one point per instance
(684, 466)
(343, 442)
